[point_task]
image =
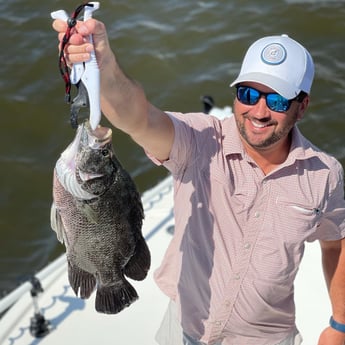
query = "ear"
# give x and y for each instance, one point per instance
(303, 107)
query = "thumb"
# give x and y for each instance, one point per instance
(91, 27)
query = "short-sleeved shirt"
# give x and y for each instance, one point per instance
(239, 234)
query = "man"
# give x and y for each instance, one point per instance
(249, 191)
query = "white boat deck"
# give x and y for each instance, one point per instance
(75, 321)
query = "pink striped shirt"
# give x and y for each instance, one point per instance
(239, 235)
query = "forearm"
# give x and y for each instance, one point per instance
(337, 291)
(125, 105)
(123, 100)
(333, 258)
(330, 257)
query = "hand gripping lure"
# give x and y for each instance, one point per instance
(84, 75)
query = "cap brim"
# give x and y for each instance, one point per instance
(278, 85)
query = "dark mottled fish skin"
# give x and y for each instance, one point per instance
(97, 213)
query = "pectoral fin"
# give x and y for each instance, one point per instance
(56, 223)
(91, 214)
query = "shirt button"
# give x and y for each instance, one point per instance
(257, 214)
(247, 245)
(237, 276)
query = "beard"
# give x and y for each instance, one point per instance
(275, 137)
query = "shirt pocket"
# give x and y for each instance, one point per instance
(297, 215)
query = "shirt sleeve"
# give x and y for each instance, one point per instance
(192, 133)
(332, 225)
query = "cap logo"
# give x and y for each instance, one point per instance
(273, 54)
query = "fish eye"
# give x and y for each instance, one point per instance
(105, 152)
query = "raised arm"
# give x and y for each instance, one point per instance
(123, 100)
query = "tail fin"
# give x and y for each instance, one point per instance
(139, 264)
(112, 299)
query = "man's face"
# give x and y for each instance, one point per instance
(262, 128)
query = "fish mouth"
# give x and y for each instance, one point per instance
(95, 139)
(85, 176)
(98, 137)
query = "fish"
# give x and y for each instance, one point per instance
(97, 214)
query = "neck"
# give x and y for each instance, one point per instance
(269, 158)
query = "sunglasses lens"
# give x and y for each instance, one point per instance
(247, 95)
(277, 103)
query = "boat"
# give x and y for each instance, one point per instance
(46, 311)
(71, 320)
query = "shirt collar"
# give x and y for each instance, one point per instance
(301, 148)
(232, 143)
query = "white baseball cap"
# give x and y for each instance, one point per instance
(280, 63)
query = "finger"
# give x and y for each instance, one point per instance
(59, 25)
(78, 53)
(79, 49)
(61, 36)
(75, 38)
(75, 58)
(90, 27)
(78, 39)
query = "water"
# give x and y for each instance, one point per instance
(178, 50)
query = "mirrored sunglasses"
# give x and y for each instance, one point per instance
(250, 96)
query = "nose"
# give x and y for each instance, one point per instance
(260, 110)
